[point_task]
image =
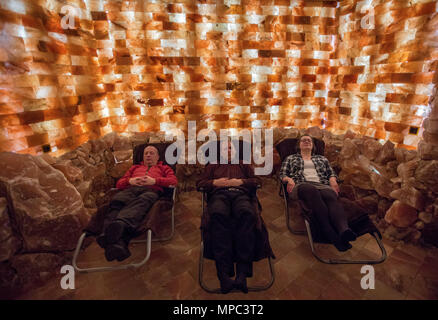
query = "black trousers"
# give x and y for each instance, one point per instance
(232, 226)
(131, 206)
(327, 209)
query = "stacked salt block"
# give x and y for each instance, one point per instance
(385, 69)
(136, 66)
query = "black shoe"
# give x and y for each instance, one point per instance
(240, 283)
(342, 246)
(117, 251)
(227, 284)
(348, 235)
(114, 231)
(101, 241)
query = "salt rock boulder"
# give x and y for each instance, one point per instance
(427, 174)
(427, 151)
(120, 169)
(73, 174)
(371, 148)
(401, 215)
(37, 268)
(382, 184)
(409, 196)
(9, 244)
(47, 209)
(314, 132)
(403, 155)
(121, 143)
(386, 153)
(407, 170)
(332, 151)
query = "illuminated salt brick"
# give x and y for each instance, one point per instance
(254, 19)
(14, 6)
(229, 3)
(58, 36)
(15, 30)
(206, 9)
(327, 12)
(175, 43)
(426, 89)
(181, 77)
(293, 53)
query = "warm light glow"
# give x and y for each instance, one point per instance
(246, 65)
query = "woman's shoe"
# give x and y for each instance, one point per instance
(227, 284)
(101, 241)
(342, 246)
(348, 235)
(240, 283)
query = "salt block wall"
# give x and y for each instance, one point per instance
(385, 74)
(135, 66)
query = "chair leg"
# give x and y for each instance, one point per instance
(343, 261)
(286, 208)
(218, 290)
(119, 267)
(172, 231)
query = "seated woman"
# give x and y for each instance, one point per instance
(141, 187)
(310, 178)
(232, 220)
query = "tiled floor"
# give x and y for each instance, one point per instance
(410, 272)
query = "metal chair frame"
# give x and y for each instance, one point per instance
(308, 231)
(147, 241)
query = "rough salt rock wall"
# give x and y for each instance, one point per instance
(394, 185)
(41, 219)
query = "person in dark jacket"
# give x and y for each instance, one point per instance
(232, 220)
(141, 186)
(310, 178)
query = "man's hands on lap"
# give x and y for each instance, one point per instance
(142, 181)
(226, 182)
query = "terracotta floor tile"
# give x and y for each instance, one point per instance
(423, 288)
(373, 246)
(180, 287)
(338, 290)
(382, 292)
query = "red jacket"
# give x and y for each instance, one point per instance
(163, 175)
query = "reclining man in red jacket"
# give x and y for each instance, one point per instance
(141, 185)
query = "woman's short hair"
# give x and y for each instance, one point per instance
(313, 144)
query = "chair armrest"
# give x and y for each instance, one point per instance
(200, 189)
